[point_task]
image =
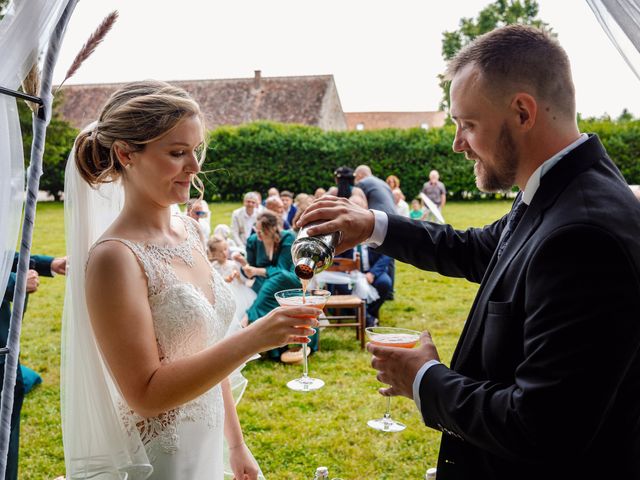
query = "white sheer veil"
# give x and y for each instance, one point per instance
(96, 441)
(97, 444)
(24, 32)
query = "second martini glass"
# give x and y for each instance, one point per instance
(390, 337)
(313, 298)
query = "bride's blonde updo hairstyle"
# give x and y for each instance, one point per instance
(135, 115)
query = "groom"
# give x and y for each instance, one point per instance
(38, 265)
(545, 379)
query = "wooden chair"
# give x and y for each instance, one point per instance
(338, 303)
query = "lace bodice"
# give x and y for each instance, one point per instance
(185, 322)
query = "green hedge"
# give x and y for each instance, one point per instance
(300, 158)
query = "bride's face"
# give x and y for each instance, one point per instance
(163, 171)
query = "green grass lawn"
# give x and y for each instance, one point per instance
(289, 433)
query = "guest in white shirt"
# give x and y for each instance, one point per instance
(244, 218)
(402, 207)
(199, 211)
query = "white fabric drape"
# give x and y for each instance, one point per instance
(620, 19)
(24, 32)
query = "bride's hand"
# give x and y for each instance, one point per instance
(285, 325)
(243, 465)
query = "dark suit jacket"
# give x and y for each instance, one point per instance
(378, 193)
(291, 214)
(545, 380)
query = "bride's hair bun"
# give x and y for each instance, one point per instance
(135, 115)
(95, 163)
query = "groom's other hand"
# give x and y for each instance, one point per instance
(398, 367)
(339, 214)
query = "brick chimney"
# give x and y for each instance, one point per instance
(257, 77)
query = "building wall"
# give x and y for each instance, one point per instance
(331, 113)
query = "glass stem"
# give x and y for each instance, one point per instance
(305, 363)
(387, 414)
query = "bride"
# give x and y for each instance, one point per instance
(145, 356)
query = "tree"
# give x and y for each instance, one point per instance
(625, 116)
(497, 14)
(58, 144)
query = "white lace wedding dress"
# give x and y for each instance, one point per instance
(186, 442)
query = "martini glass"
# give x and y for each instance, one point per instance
(313, 298)
(390, 337)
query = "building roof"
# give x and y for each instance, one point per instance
(378, 120)
(303, 99)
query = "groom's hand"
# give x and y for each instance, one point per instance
(398, 367)
(339, 214)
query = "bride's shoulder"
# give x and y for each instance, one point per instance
(111, 254)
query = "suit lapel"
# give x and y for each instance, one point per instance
(551, 186)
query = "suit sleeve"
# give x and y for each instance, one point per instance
(39, 263)
(42, 264)
(441, 248)
(580, 340)
(11, 285)
(235, 229)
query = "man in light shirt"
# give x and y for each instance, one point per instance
(402, 207)
(545, 379)
(243, 219)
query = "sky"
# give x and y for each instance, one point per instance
(384, 56)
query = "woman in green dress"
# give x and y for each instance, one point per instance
(269, 263)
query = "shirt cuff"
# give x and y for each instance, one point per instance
(418, 380)
(379, 229)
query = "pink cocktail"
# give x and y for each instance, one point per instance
(315, 298)
(390, 337)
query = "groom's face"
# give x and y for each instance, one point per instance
(482, 131)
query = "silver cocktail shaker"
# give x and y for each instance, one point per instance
(312, 255)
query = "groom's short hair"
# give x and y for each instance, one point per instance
(518, 58)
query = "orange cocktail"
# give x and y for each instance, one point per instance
(402, 340)
(390, 337)
(314, 298)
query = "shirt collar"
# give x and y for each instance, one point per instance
(533, 183)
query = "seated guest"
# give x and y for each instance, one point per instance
(377, 269)
(275, 205)
(303, 201)
(272, 192)
(229, 269)
(417, 211)
(199, 211)
(223, 230)
(402, 208)
(269, 263)
(393, 181)
(289, 208)
(319, 192)
(244, 218)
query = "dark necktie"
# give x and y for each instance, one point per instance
(514, 218)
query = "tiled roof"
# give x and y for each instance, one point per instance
(377, 120)
(309, 100)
